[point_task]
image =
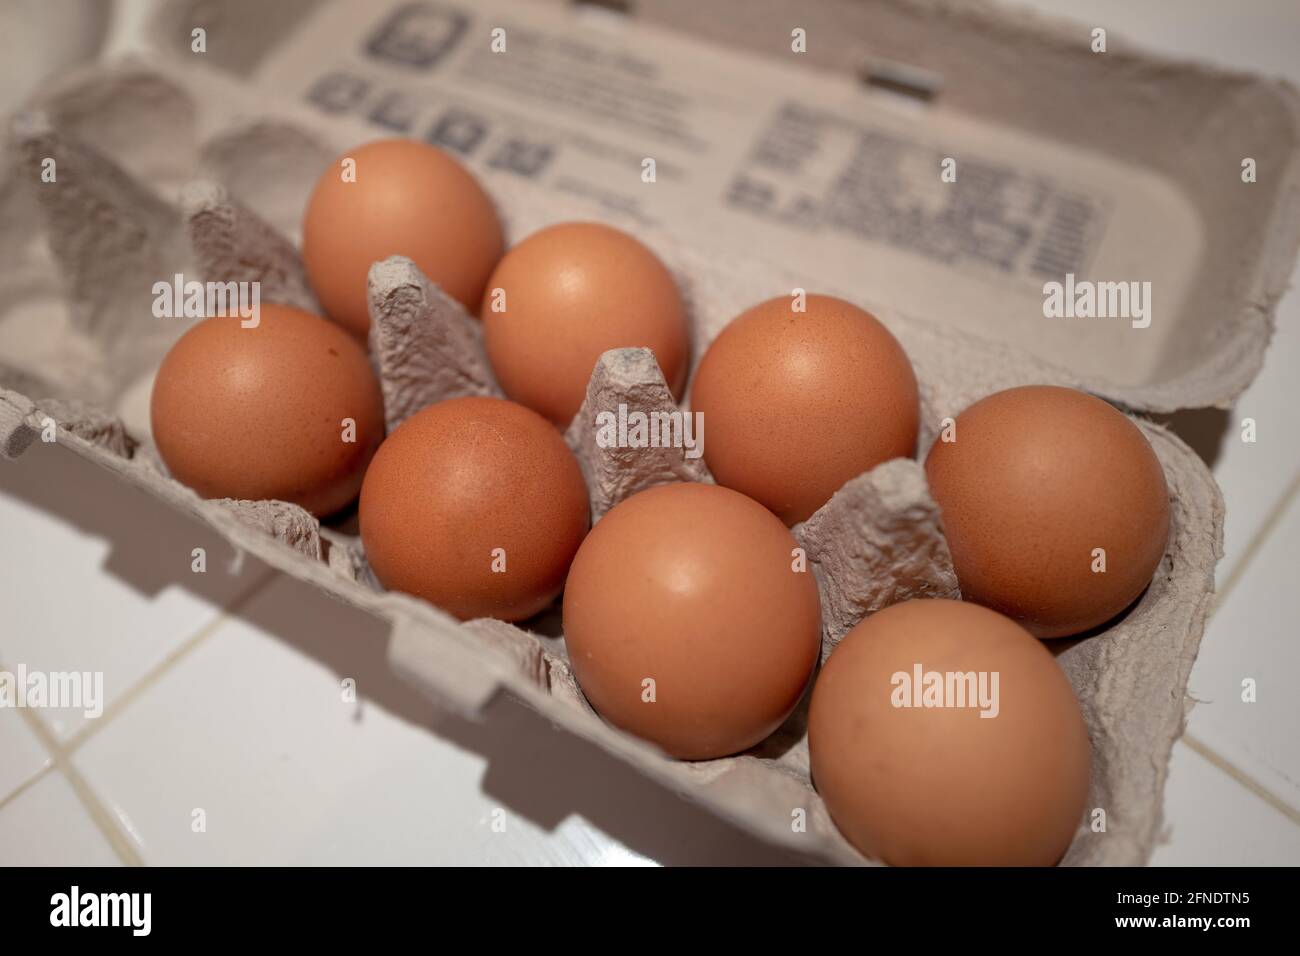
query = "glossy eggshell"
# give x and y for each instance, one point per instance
(692, 586)
(459, 480)
(409, 199)
(1037, 479)
(259, 412)
(943, 786)
(572, 292)
(795, 404)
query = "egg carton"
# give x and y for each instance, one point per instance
(164, 171)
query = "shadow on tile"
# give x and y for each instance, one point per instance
(150, 544)
(534, 769)
(547, 774)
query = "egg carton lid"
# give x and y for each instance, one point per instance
(1112, 167)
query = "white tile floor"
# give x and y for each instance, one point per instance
(23, 755)
(125, 581)
(255, 717)
(1215, 820)
(224, 689)
(45, 824)
(1244, 677)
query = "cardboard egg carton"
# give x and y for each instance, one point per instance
(167, 167)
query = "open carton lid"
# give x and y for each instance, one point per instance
(933, 161)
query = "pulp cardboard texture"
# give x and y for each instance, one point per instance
(1118, 167)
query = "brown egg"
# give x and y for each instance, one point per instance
(912, 772)
(408, 199)
(1039, 482)
(476, 505)
(571, 292)
(263, 412)
(691, 587)
(797, 403)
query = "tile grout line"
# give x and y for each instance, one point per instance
(99, 816)
(155, 673)
(1241, 777)
(61, 753)
(45, 770)
(1271, 522)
